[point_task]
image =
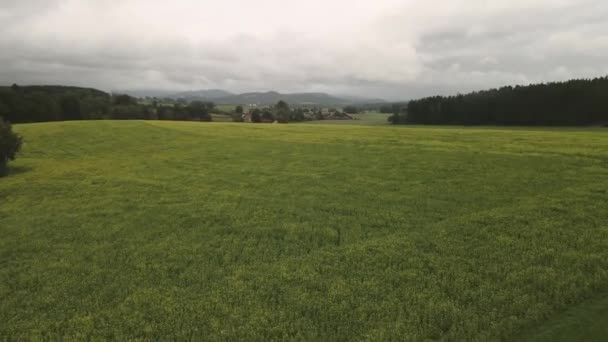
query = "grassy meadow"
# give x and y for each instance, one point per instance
(219, 231)
(366, 119)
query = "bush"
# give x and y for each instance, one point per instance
(10, 144)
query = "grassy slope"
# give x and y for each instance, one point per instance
(583, 322)
(177, 229)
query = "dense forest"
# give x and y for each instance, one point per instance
(575, 102)
(20, 104)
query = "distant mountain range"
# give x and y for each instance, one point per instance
(209, 94)
(260, 98)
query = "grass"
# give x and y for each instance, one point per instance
(180, 230)
(221, 118)
(366, 119)
(226, 108)
(583, 322)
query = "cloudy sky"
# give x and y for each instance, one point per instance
(394, 49)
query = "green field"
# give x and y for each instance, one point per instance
(221, 231)
(226, 108)
(221, 118)
(368, 119)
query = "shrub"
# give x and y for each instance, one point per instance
(10, 144)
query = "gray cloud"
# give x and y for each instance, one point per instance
(392, 49)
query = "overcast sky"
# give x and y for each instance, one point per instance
(394, 49)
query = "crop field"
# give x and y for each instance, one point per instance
(221, 231)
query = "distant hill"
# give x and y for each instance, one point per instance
(220, 96)
(363, 100)
(50, 103)
(55, 90)
(141, 93)
(209, 94)
(272, 97)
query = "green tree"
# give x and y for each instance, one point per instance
(4, 109)
(124, 100)
(238, 110)
(386, 109)
(200, 110)
(267, 115)
(10, 144)
(574, 102)
(256, 115)
(70, 107)
(282, 112)
(165, 113)
(297, 115)
(351, 110)
(398, 116)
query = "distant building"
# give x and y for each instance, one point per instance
(246, 117)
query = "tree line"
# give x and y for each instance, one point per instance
(283, 113)
(23, 104)
(57, 103)
(10, 144)
(575, 102)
